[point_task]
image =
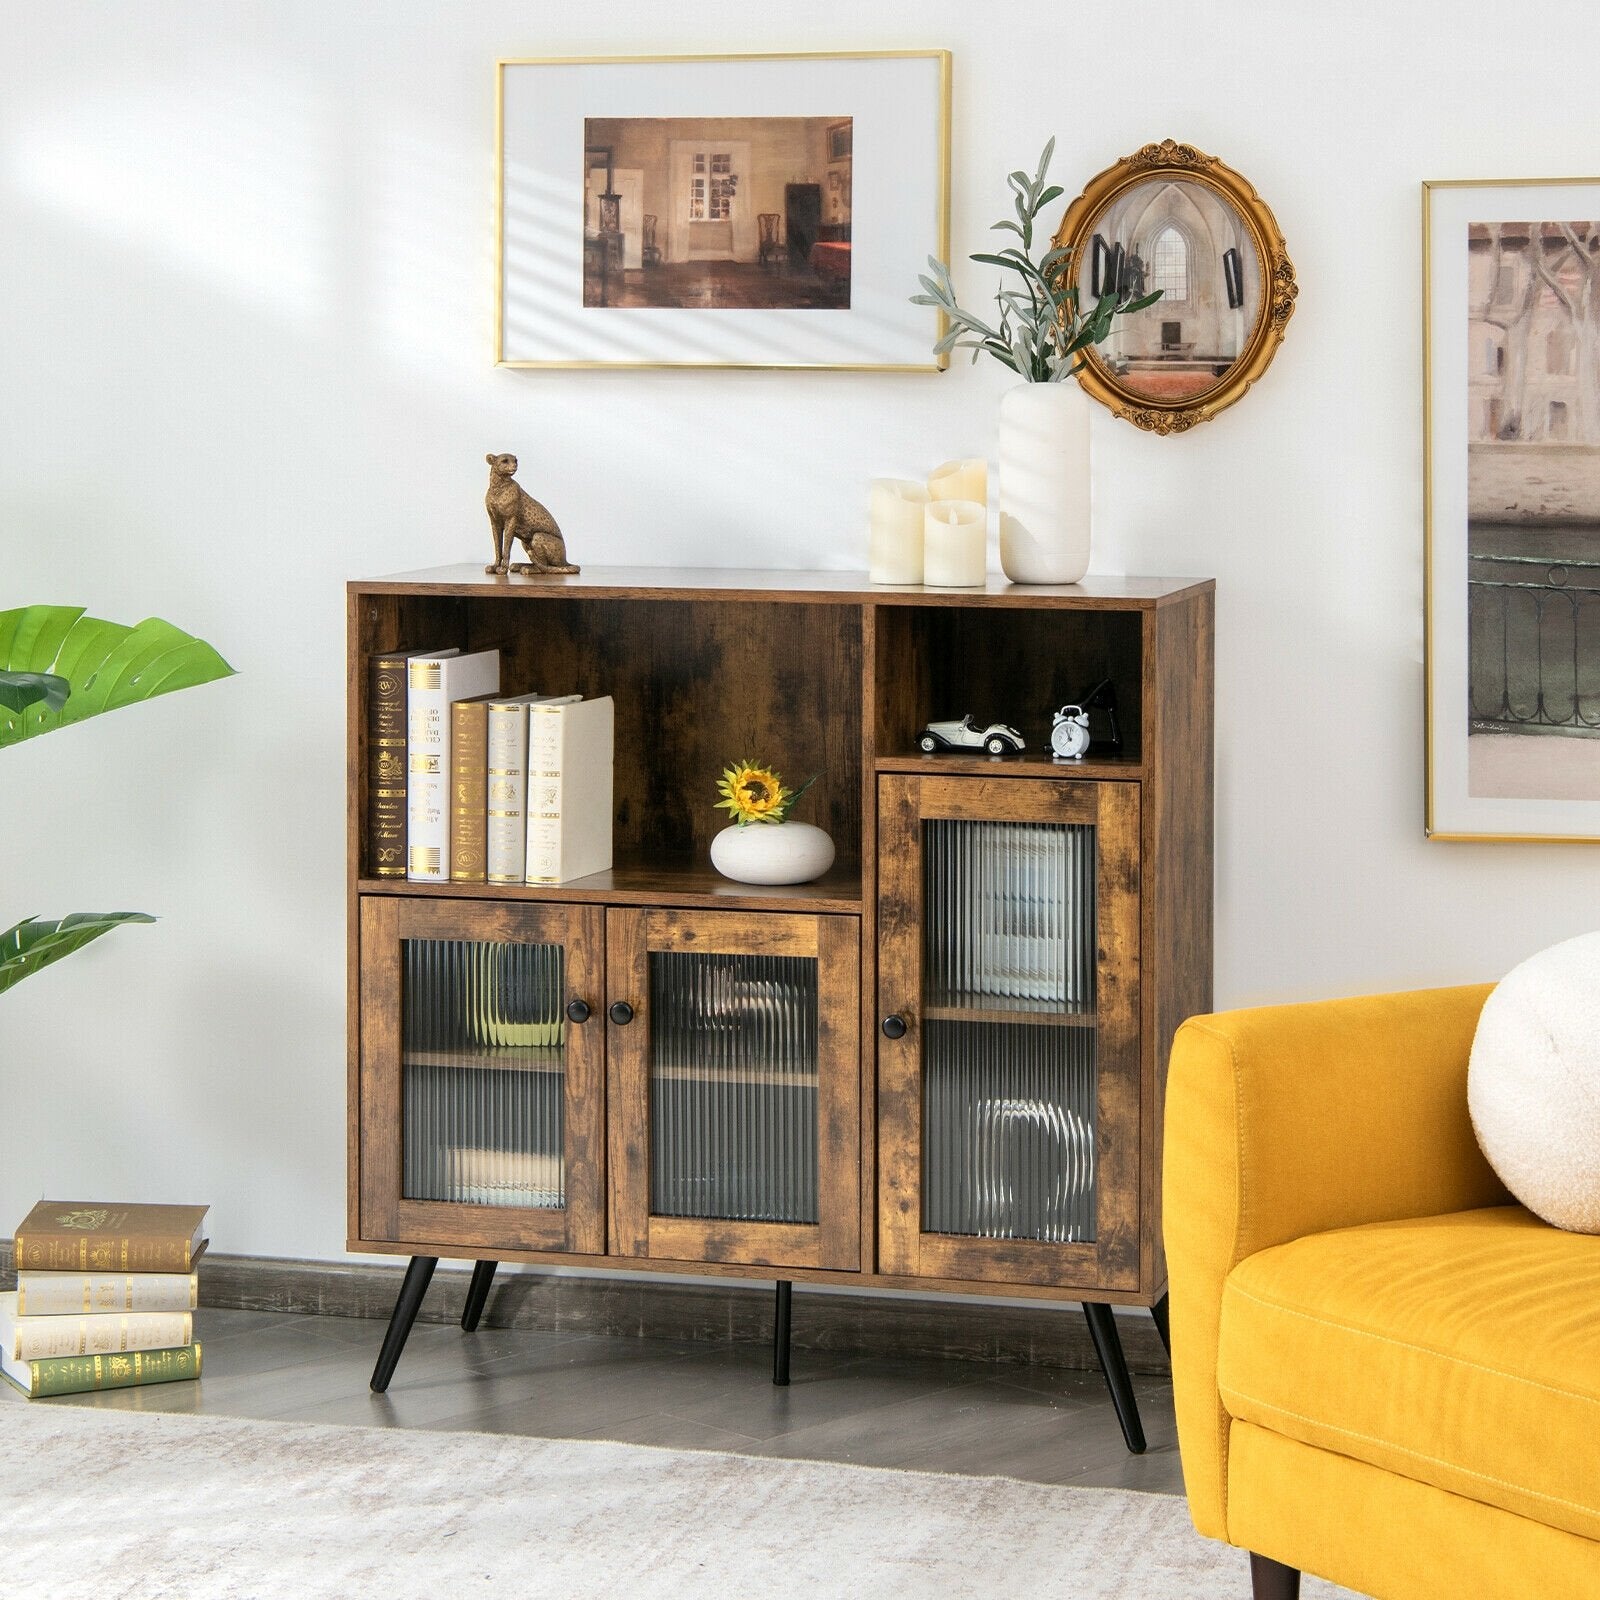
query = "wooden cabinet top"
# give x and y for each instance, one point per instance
(468, 581)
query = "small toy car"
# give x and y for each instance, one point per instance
(966, 733)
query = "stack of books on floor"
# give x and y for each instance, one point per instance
(466, 784)
(105, 1297)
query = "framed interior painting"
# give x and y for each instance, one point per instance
(721, 211)
(1511, 297)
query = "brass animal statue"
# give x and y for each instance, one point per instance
(515, 514)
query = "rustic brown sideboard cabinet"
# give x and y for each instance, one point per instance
(938, 1067)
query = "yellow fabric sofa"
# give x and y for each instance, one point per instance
(1386, 1373)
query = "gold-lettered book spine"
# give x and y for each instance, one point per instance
(42, 1337)
(543, 800)
(505, 828)
(82, 1252)
(82, 1374)
(427, 781)
(386, 766)
(58, 1294)
(469, 773)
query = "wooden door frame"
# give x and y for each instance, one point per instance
(834, 1241)
(386, 1215)
(1112, 808)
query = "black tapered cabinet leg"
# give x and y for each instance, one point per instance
(1108, 1347)
(780, 1334)
(1158, 1314)
(406, 1306)
(1271, 1580)
(477, 1294)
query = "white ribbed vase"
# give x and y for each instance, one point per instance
(1044, 482)
(772, 852)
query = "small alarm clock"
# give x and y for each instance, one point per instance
(1069, 733)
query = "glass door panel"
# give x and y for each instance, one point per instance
(1009, 1067)
(483, 1050)
(735, 1087)
(1008, 1132)
(1009, 1060)
(482, 1080)
(1010, 920)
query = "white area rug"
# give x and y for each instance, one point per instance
(105, 1505)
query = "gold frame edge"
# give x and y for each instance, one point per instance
(1430, 832)
(944, 58)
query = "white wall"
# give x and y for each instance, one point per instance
(245, 299)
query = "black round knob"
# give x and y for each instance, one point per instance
(621, 1013)
(894, 1027)
(577, 1011)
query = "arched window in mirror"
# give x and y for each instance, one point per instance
(1169, 264)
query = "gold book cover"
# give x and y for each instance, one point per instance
(83, 1235)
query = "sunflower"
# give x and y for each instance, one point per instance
(753, 793)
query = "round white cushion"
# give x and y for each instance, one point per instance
(1533, 1086)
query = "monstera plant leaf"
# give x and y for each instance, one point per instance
(58, 666)
(35, 943)
(19, 690)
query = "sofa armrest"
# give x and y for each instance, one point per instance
(1292, 1120)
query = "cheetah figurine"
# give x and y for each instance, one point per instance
(515, 514)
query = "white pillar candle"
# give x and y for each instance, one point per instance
(894, 540)
(961, 480)
(955, 533)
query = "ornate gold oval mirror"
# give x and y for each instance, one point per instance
(1175, 219)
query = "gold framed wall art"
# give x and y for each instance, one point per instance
(720, 211)
(1511, 422)
(1170, 217)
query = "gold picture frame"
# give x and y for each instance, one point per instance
(1185, 215)
(1507, 513)
(891, 203)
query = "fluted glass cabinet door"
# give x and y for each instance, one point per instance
(481, 1079)
(1009, 1101)
(734, 1087)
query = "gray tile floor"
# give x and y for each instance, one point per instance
(1041, 1424)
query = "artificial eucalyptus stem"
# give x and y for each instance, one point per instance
(1041, 334)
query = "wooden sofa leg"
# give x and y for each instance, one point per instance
(1271, 1580)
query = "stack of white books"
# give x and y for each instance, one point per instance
(503, 788)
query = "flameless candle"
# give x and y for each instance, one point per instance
(953, 546)
(961, 480)
(894, 546)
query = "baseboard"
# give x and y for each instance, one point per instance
(904, 1327)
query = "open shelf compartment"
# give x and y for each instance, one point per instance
(1004, 664)
(698, 684)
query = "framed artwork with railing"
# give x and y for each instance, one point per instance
(1511, 297)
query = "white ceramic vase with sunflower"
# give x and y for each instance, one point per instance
(763, 845)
